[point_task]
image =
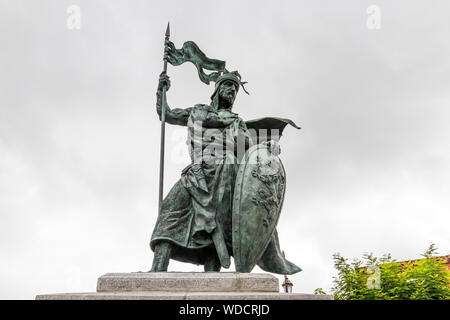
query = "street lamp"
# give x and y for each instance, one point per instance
(287, 285)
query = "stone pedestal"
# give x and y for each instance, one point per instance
(186, 286)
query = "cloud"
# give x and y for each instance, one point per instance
(79, 135)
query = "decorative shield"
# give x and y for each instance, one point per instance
(258, 198)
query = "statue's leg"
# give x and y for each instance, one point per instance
(161, 258)
(212, 262)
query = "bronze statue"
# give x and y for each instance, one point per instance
(228, 200)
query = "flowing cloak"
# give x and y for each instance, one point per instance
(202, 199)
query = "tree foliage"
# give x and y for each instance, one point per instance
(383, 278)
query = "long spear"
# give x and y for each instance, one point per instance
(163, 125)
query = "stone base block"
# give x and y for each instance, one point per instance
(161, 295)
(186, 286)
(188, 282)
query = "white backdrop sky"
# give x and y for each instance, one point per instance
(79, 135)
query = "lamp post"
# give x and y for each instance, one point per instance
(287, 285)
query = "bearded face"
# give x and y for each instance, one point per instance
(227, 93)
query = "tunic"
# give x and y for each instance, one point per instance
(201, 200)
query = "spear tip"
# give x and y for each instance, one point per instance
(168, 30)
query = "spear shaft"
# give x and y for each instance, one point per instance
(163, 126)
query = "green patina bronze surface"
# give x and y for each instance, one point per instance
(221, 208)
(258, 199)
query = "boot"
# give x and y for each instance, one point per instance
(161, 258)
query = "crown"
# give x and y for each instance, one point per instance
(232, 76)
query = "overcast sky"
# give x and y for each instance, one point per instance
(79, 135)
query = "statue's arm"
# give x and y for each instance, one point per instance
(175, 116)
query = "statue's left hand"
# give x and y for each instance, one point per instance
(164, 81)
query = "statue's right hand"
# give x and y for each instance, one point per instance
(164, 81)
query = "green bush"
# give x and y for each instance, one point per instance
(384, 279)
